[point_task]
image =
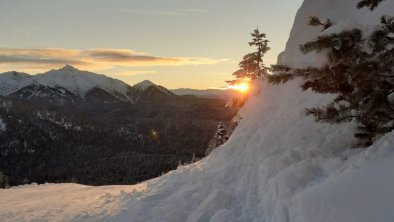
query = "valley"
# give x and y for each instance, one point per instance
(96, 135)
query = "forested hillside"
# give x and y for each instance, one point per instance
(56, 144)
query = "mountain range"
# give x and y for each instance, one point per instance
(68, 125)
(70, 86)
(206, 93)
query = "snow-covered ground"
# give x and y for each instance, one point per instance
(278, 165)
(61, 202)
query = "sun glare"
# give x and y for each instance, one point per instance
(243, 87)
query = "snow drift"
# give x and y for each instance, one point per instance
(278, 166)
(343, 14)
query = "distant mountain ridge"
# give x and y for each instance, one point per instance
(205, 93)
(54, 83)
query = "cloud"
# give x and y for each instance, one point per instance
(94, 59)
(126, 57)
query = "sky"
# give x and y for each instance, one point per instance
(174, 43)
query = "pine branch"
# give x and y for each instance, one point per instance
(360, 71)
(315, 21)
(371, 4)
(280, 78)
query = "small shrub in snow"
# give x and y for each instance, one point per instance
(3, 181)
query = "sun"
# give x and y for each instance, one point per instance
(242, 87)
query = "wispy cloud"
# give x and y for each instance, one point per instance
(94, 59)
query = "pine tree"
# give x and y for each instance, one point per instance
(359, 71)
(3, 180)
(371, 4)
(252, 65)
(221, 135)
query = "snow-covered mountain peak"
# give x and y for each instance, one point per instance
(69, 68)
(66, 70)
(13, 81)
(144, 85)
(80, 82)
(77, 82)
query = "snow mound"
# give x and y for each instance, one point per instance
(361, 191)
(341, 12)
(273, 154)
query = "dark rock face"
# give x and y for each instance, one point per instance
(47, 96)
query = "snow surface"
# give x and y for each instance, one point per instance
(61, 202)
(11, 82)
(340, 12)
(80, 82)
(278, 166)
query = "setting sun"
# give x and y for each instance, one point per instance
(243, 87)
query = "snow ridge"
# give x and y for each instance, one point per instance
(341, 12)
(76, 81)
(13, 81)
(80, 82)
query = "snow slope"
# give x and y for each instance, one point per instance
(13, 81)
(80, 82)
(47, 202)
(278, 166)
(342, 12)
